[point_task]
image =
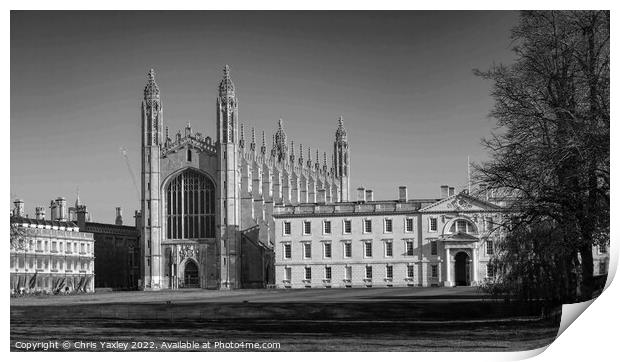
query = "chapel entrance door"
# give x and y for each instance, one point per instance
(461, 268)
(190, 275)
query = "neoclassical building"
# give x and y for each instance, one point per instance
(207, 204)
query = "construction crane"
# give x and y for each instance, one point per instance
(133, 177)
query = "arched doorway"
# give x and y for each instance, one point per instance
(461, 269)
(190, 275)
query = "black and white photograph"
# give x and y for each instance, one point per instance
(306, 180)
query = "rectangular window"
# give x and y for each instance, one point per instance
(307, 250)
(327, 250)
(347, 249)
(433, 247)
(347, 227)
(307, 228)
(489, 247)
(388, 271)
(328, 272)
(409, 247)
(308, 273)
(327, 227)
(54, 246)
(409, 271)
(287, 228)
(409, 225)
(490, 271)
(39, 245)
(602, 248)
(368, 226)
(347, 272)
(287, 274)
(368, 271)
(602, 267)
(433, 224)
(46, 246)
(389, 250)
(388, 225)
(434, 271)
(287, 251)
(368, 249)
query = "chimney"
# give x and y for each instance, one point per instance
(53, 210)
(19, 208)
(369, 195)
(81, 216)
(361, 195)
(444, 191)
(137, 215)
(451, 191)
(62, 208)
(119, 216)
(40, 212)
(402, 193)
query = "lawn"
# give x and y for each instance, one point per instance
(399, 319)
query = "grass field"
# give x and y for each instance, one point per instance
(399, 319)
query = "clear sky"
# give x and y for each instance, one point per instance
(402, 81)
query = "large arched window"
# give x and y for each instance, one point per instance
(190, 206)
(463, 226)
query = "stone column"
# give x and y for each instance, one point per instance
(448, 282)
(474, 256)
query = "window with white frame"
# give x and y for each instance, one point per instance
(409, 225)
(346, 227)
(368, 249)
(327, 227)
(287, 273)
(602, 248)
(433, 247)
(368, 271)
(328, 272)
(54, 246)
(327, 249)
(389, 248)
(462, 226)
(434, 271)
(367, 225)
(490, 271)
(39, 246)
(347, 249)
(287, 251)
(307, 228)
(347, 272)
(46, 246)
(409, 247)
(432, 224)
(286, 228)
(389, 271)
(387, 225)
(489, 247)
(410, 271)
(307, 250)
(602, 267)
(308, 273)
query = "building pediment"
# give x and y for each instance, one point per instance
(461, 203)
(195, 141)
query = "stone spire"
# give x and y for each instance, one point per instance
(301, 155)
(280, 142)
(309, 161)
(227, 87)
(316, 163)
(324, 161)
(151, 90)
(263, 148)
(242, 137)
(341, 133)
(292, 157)
(253, 143)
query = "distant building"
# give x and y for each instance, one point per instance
(55, 255)
(117, 250)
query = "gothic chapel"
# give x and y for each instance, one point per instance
(207, 205)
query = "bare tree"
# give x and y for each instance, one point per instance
(551, 151)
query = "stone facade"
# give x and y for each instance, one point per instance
(421, 242)
(52, 256)
(207, 203)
